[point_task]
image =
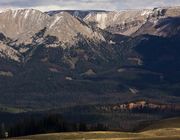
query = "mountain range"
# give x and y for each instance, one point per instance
(70, 58)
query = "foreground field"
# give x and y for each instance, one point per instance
(161, 134)
(164, 130)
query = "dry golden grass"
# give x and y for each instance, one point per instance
(164, 130)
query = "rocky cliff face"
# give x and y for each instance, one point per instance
(140, 106)
(28, 27)
(124, 22)
(21, 25)
(68, 29)
(130, 22)
(162, 22)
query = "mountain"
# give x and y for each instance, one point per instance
(21, 25)
(26, 28)
(118, 22)
(67, 28)
(36, 48)
(56, 59)
(119, 69)
(137, 22)
(165, 25)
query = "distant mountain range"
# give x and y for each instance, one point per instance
(69, 58)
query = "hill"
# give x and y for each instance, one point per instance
(171, 134)
(168, 129)
(165, 124)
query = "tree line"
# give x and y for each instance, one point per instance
(51, 123)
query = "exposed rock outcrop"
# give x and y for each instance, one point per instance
(140, 105)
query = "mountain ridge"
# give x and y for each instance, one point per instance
(22, 26)
(65, 59)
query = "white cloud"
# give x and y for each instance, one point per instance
(46, 5)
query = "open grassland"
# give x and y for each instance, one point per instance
(161, 134)
(167, 123)
(164, 130)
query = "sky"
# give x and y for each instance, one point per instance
(47, 5)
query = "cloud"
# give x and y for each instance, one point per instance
(46, 5)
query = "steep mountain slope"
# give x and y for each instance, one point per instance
(9, 53)
(118, 22)
(59, 60)
(67, 29)
(47, 58)
(21, 25)
(129, 22)
(165, 24)
(23, 30)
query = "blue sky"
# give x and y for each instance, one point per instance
(46, 5)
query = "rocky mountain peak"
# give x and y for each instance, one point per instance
(66, 27)
(118, 21)
(22, 24)
(22, 30)
(129, 22)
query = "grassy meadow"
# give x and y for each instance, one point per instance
(168, 129)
